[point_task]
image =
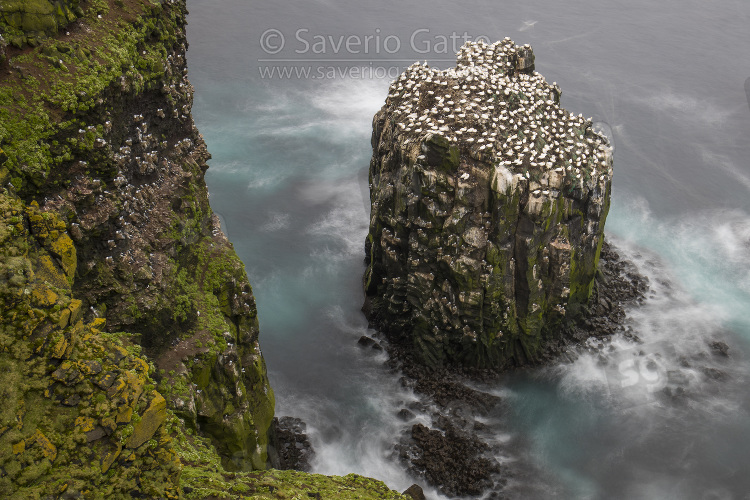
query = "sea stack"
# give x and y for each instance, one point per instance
(488, 204)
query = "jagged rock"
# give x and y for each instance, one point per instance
(109, 457)
(455, 461)
(720, 348)
(150, 421)
(406, 414)
(366, 341)
(488, 210)
(96, 433)
(68, 373)
(293, 450)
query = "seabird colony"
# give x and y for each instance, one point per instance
(499, 114)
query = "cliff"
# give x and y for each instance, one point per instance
(488, 210)
(129, 357)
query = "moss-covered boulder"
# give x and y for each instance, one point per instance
(488, 210)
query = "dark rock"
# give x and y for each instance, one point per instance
(714, 373)
(290, 448)
(720, 348)
(415, 491)
(456, 462)
(406, 415)
(72, 400)
(67, 373)
(525, 59)
(106, 380)
(97, 433)
(90, 367)
(365, 341)
(459, 404)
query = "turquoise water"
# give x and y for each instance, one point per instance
(289, 178)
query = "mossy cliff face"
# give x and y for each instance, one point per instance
(129, 355)
(80, 412)
(488, 210)
(107, 142)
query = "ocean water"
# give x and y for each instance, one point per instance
(289, 178)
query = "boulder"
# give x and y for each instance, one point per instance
(415, 491)
(150, 421)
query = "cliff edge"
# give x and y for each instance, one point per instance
(488, 209)
(129, 358)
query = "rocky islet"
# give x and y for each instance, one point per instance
(488, 209)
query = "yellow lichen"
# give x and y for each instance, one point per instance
(98, 323)
(75, 311)
(44, 297)
(63, 247)
(110, 457)
(60, 347)
(19, 447)
(48, 449)
(85, 424)
(152, 418)
(64, 318)
(124, 415)
(46, 270)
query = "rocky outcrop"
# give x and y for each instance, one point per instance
(488, 210)
(458, 406)
(291, 445)
(79, 410)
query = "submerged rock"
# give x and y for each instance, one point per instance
(488, 210)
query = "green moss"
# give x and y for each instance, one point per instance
(72, 79)
(203, 476)
(89, 392)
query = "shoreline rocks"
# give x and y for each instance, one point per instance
(456, 434)
(291, 449)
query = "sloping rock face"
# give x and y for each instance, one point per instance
(488, 210)
(79, 411)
